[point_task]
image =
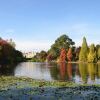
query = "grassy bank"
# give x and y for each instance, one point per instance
(14, 88)
(21, 82)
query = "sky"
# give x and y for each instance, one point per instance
(34, 25)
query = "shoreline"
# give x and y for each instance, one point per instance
(12, 80)
(22, 88)
(73, 62)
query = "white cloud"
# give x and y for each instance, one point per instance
(32, 45)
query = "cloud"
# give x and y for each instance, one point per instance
(25, 46)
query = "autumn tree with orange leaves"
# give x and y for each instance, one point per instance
(63, 55)
(69, 55)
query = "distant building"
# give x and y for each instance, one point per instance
(29, 54)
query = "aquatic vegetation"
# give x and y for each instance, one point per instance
(22, 82)
(22, 88)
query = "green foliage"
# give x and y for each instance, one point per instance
(77, 51)
(40, 57)
(98, 53)
(92, 54)
(84, 51)
(92, 71)
(83, 71)
(62, 42)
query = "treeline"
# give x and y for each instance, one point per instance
(64, 50)
(8, 53)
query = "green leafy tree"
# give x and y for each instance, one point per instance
(84, 51)
(43, 55)
(62, 42)
(40, 56)
(92, 54)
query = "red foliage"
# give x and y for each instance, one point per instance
(69, 70)
(3, 42)
(49, 57)
(63, 55)
(69, 54)
(62, 70)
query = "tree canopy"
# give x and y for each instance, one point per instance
(69, 55)
(92, 54)
(8, 54)
(62, 42)
(84, 51)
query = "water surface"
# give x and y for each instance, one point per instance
(78, 73)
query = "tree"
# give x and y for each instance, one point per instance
(62, 42)
(40, 56)
(49, 57)
(12, 43)
(77, 52)
(63, 55)
(92, 54)
(8, 53)
(98, 53)
(84, 51)
(43, 55)
(69, 55)
(18, 56)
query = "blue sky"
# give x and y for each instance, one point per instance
(35, 24)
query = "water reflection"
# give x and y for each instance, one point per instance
(69, 71)
(83, 72)
(78, 73)
(62, 69)
(7, 69)
(33, 70)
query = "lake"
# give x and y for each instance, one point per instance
(78, 73)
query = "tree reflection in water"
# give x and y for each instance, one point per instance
(83, 72)
(98, 71)
(62, 69)
(69, 71)
(89, 72)
(7, 69)
(79, 73)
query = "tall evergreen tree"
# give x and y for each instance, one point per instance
(63, 55)
(98, 53)
(92, 54)
(69, 55)
(84, 51)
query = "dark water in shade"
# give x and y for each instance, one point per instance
(78, 73)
